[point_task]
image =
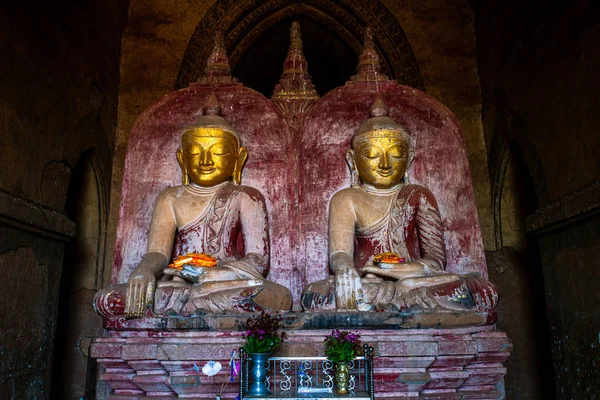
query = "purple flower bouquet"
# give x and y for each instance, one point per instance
(261, 333)
(342, 346)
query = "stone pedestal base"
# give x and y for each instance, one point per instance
(450, 363)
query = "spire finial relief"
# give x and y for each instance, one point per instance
(295, 92)
(217, 65)
(369, 68)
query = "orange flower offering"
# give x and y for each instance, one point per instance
(195, 259)
(388, 258)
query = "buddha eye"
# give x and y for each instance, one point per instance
(370, 153)
(397, 151)
(220, 151)
(192, 149)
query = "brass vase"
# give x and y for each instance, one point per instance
(342, 377)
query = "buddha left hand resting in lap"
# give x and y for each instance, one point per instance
(210, 213)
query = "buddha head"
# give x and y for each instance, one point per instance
(210, 151)
(381, 151)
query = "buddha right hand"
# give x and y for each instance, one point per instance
(142, 284)
(140, 292)
(348, 287)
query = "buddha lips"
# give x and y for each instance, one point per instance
(195, 259)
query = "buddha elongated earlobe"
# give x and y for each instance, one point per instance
(185, 179)
(239, 165)
(411, 157)
(354, 177)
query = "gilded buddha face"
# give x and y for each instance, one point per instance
(381, 158)
(210, 156)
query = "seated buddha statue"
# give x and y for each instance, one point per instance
(383, 213)
(210, 214)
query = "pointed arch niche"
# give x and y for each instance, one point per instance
(332, 36)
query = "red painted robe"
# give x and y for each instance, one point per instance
(234, 230)
(412, 227)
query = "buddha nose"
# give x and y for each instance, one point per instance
(384, 161)
(206, 158)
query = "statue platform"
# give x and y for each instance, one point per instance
(155, 357)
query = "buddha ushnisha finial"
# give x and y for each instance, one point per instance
(212, 106)
(379, 108)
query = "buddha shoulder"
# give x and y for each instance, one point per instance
(242, 191)
(249, 194)
(171, 194)
(347, 196)
(352, 196)
(414, 190)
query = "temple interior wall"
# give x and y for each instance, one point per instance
(539, 100)
(519, 78)
(29, 307)
(59, 80)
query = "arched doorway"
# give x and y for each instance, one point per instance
(342, 25)
(74, 373)
(515, 267)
